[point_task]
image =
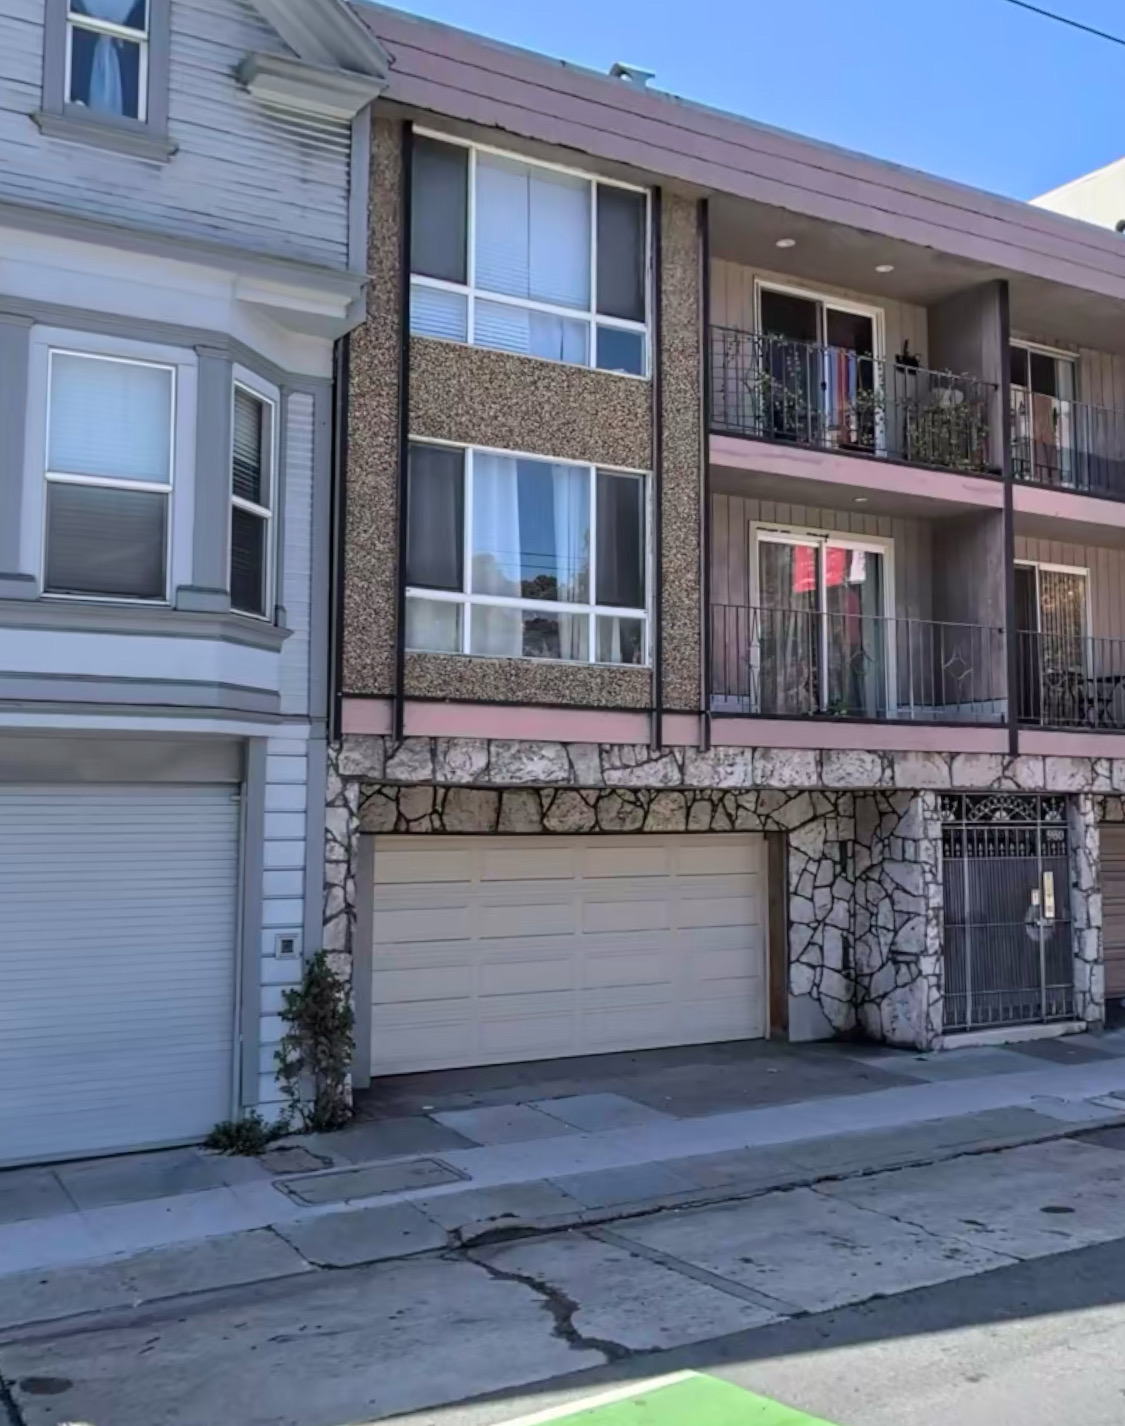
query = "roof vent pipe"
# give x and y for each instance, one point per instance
(632, 74)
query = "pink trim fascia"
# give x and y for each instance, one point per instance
(860, 737)
(854, 473)
(528, 723)
(1052, 504)
(525, 722)
(452, 72)
(1044, 742)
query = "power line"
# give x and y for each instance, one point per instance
(1066, 20)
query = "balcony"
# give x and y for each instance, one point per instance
(1070, 681)
(834, 399)
(795, 663)
(1068, 445)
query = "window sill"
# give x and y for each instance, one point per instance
(135, 142)
(158, 620)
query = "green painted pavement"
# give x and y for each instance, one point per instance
(689, 1400)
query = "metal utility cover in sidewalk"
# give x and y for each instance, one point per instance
(675, 1401)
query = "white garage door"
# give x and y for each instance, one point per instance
(491, 949)
(117, 965)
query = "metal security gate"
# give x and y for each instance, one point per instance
(1006, 871)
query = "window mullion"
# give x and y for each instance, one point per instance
(593, 353)
(592, 593)
(467, 575)
(471, 247)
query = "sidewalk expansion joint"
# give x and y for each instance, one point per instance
(561, 1308)
(1010, 1260)
(777, 1305)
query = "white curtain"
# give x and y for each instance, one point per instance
(570, 489)
(531, 333)
(532, 232)
(497, 558)
(571, 498)
(106, 91)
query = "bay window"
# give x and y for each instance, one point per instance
(521, 557)
(109, 472)
(252, 494)
(527, 258)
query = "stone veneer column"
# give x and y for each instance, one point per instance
(1086, 907)
(898, 917)
(341, 844)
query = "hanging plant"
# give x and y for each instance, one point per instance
(315, 1057)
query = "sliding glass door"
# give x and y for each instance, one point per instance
(820, 639)
(1052, 648)
(1043, 411)
(818, 372)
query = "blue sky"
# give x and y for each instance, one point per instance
(975, 90)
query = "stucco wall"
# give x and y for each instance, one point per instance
(371, 532)
(487, 398)
(517, 403)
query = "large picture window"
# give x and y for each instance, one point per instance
(527, 258)
(109, 471)
(519, 557)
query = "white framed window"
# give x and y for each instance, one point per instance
(823, 636)
(528, 257)
(109, 472)
(107, 57)
(253, 498)
(513, 556)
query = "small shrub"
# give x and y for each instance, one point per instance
(250, 1135)
(315, 1059)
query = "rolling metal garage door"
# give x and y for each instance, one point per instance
(117, 965)
(1113, 909)
(493, 949)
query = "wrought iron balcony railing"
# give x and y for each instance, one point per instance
(1070, 681)
(775, 389)
(796, 663)
(1068, 444)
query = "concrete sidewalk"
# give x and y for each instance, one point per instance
(546, 1165)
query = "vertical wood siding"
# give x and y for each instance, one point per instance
(732, 304)
(1106, 578)
(244, 174)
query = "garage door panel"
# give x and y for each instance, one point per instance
(705, 912)
(117, 956)
(526, 858)
(403, 925)
(652, 915)
(627, 859)
(526, 1038)
(527, 920)
(568, 946)
(719, 855)
(521, 977)
(437, 982)
(447, 863)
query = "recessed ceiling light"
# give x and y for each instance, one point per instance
(860, 499)
(786, 242)
(885, 267)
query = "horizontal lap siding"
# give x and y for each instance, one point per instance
(239, 165)
(1107, 578)
(296, 595)
(732, 304)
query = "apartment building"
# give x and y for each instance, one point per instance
(730, 639)
(183, 199)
